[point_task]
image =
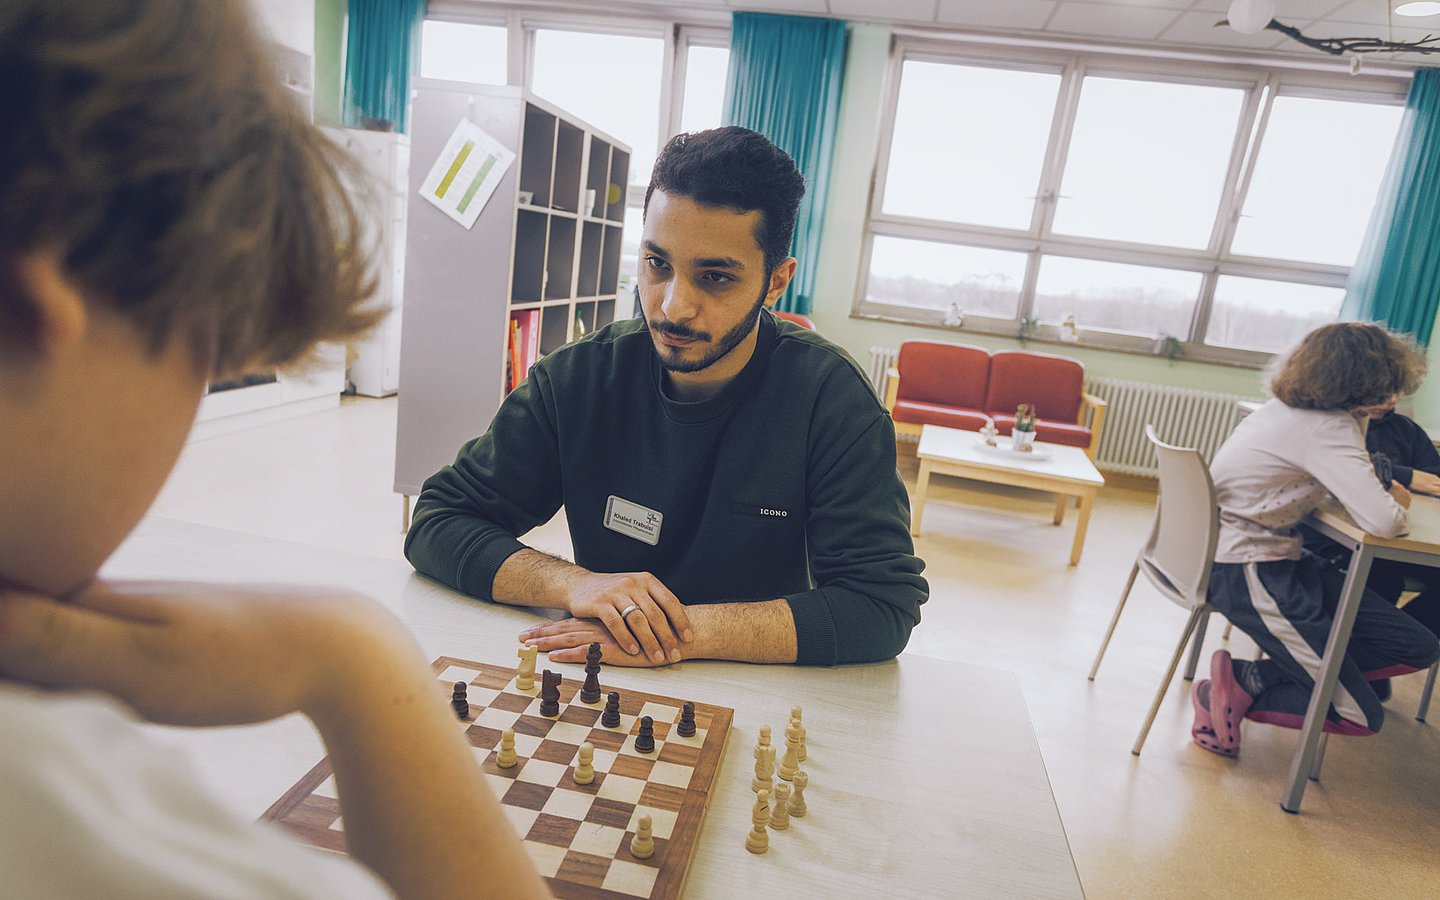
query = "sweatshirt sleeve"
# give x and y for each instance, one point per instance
(502, 484)
(1337, 458)
(868, 587)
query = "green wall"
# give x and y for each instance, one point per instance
(330, 17)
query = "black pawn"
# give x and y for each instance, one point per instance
(686, 728)
(645, 740)
(611, 717)
(590, 690)
(549, 694)
(459, 702)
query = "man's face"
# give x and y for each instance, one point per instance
(702, 280)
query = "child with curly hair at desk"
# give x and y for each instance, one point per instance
(1275, 469)
(167, 215)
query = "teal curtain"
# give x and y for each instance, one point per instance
(1396, 279)
(784, 81)
(382, 50)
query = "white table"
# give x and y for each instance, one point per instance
(925, 776)
(1420, 545)
(1053, 468)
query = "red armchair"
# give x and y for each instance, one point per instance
(959, 386)
(803, 321)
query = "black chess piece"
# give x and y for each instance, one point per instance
(645, 740)
(458, 700)
(549, 694)
(611, 717)
(686, 728)
(590, 690)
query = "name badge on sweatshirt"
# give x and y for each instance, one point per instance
(633, 520)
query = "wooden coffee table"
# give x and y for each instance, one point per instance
(1054, 468)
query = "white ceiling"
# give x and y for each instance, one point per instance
(1187, 23)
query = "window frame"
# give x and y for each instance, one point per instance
(1261, 83)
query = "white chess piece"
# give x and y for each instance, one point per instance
(797, 802)
(585, 769)
(506, 757)
(642, 845)
(800, 732)
(791, 761)
(764, 767)
(780, 817)
(525, 674)
(757, 841)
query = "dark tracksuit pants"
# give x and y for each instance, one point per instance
(1287, 607)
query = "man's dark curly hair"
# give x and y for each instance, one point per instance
(738, 169)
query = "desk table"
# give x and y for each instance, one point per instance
(925, 776)
(1420, 545)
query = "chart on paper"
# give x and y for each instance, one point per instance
(466, 173)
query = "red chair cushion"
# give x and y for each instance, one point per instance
(803, 321)
(943, 374)
(918, 413)
(1067, 433)
(1052, 384)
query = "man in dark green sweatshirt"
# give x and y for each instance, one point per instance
(729, 478)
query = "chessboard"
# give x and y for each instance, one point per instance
(577, 835)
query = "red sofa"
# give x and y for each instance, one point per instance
(961, 386)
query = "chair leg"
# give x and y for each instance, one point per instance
(1124, 595)
(1196, 646)
(1425, 694)
(1319, 756)
(1196, 616)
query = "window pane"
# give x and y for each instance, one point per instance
(1117, 297)
(611, 81)
(969, 143)
(1147, 161)
(930, 275)
(1271, 316)
(1319, 169)
(630, 244)
(704, 87)
(462, 52)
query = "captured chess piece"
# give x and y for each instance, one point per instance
(764, 764)
(585, 766)
(611, 717)
(797, 802)
(780, 817)
(799, 732)
(642, 845)
(757, 841)
(506, 759)
(645, 740)
(550, 694)
(790, 762)
(590, 690)
(525, 672)
(686, 728)
(459, 702)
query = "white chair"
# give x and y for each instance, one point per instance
(1177, 557)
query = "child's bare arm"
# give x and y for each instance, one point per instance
(206, 655)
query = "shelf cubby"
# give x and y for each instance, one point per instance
(528, 282)
(569, 161)
(537, 155)
(560, 260)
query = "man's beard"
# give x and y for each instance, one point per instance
(670, 356)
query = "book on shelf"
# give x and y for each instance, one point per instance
(524, 347)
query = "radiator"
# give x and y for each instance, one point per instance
(1181, 416)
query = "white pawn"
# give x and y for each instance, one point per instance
(780, 818)
(797, 802)
(791, 762)
(764, 768)
(799, 732)
(505, 759)
(525, 674)
(764, 740)
(757, 841)
(642, 845)
(585, 770)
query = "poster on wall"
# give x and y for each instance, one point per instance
(466, 173)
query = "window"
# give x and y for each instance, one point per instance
(1222, 206)
(463, 52)
(705, 69)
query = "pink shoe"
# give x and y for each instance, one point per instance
(1228, 702)
(1203, 731)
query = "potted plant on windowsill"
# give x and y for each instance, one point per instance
(1022, 433)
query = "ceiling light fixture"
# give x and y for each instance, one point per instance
(1417, 10)
(1255, 16)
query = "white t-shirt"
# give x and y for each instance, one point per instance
(92, 807)
(1277, 467)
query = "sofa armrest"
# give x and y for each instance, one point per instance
(1096, 408)
(892, 388)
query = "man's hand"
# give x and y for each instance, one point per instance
(632, 607)
(1402, 496)
(568, 640)
(1424, 482)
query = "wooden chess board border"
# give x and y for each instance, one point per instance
(289, 811)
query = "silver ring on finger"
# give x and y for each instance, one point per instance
(628, 610)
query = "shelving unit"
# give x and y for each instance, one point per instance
(544, 253)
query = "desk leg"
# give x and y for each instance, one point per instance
(1306, 749)
(1060, 502)
(1082, 522)
(922, 484)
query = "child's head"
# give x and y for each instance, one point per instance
(166, 215)
(1349, 366)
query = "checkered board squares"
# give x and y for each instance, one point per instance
(578, 836)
